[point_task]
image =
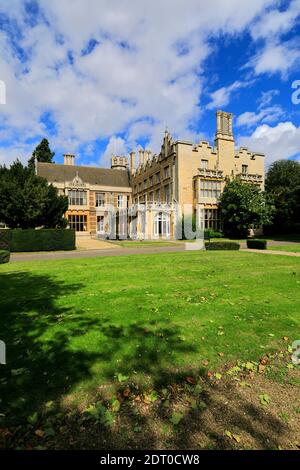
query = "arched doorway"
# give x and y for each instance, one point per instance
(161, 225)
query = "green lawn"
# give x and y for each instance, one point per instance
(293, 237)
(71, 326)
(293, 247)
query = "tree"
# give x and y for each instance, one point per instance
(27, 201)
(242, 206)
(283, 185)
(42, 153)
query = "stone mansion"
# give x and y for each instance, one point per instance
(148, 192)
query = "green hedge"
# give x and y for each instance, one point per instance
(4, 256)
(5, 237)
(258, 244)
(222, 246)
(210, 233)
(39, 240)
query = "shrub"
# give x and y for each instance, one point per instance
(40, 240)
(222, 246)
(4, 256)
(210, 233)
(5, 238)
(258, 244)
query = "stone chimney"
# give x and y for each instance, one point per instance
(132, 161)
(69, 159)
(224, 125)
(146, 156)
(141, 157)
(119, 163)
(224, 142)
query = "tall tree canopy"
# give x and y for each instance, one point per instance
(283, 185)
(27, 201)
(42, 153)
(243, 205)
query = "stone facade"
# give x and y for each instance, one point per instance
(92, 192)
(156, 189)
(192, 176)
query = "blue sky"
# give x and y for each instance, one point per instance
(107, 76)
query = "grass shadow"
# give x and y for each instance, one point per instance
(44, 367)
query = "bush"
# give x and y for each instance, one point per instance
(210, 233)
(4, 256)
(258, 244)
(5, 237)
(222, 246)
(40, 240)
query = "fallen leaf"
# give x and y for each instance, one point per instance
(126, 392)
(115, 405)
(264, 399)
(122, 378)
(233, 436)
(151, 398)
(264, 360)
(39, 433)
(236, 437)
(32, 419)
(191, 380)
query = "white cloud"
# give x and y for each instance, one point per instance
(276, 58)
(278, 142)
(115, 146)
(278, 55)
(222, 96)
(266, 112)
(275, 22)
(147, 65)
(16, 151)
(266, 98)
(265, 115)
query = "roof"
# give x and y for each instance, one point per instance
(56, 173)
